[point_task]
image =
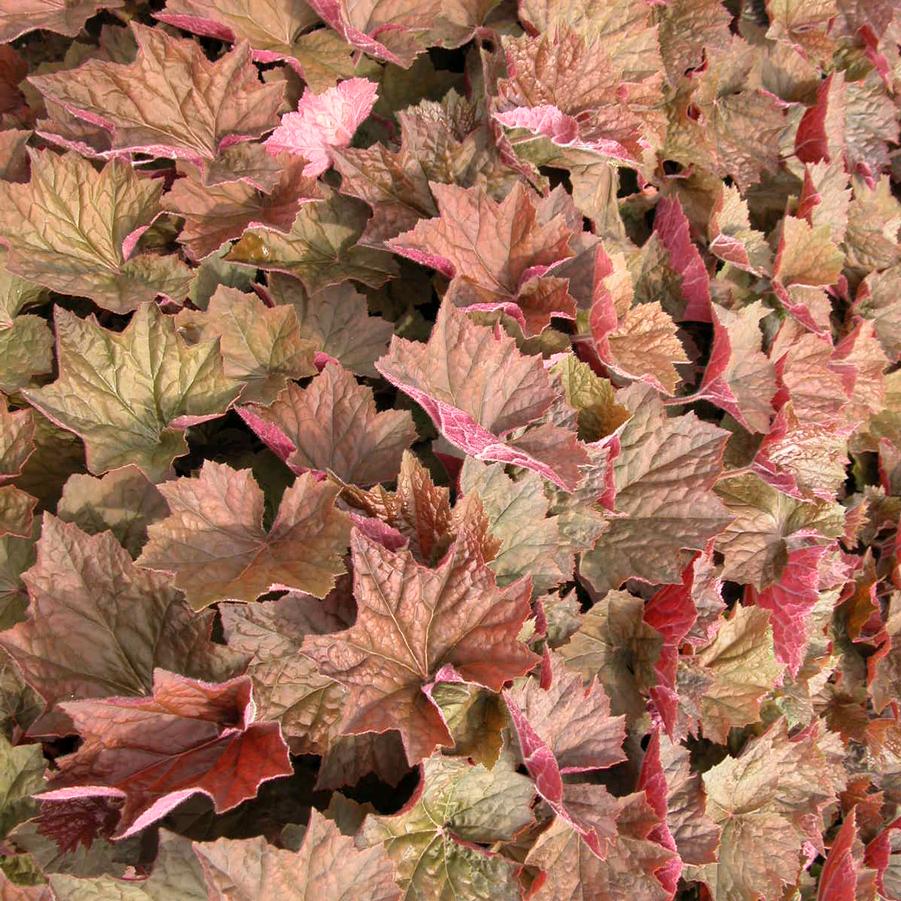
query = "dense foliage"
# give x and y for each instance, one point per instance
(450, 450)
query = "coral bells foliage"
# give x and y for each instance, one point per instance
(450, 450)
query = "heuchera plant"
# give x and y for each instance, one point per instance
(450, 449)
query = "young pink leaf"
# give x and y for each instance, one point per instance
(324, 122)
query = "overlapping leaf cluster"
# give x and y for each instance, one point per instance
(450, 450)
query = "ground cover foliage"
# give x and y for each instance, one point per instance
(450, 450)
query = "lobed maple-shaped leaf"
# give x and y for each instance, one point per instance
(85, 595)
(767, 802)
(736, 671)
(287, 686)
(723, 120)
(321, 247)
(73, 229)
(129, 395)
(271, 27)
(18, 17)
(124, 501)
(416, 626)
(189, 737)
(530, 540)
(443, 142)
(572, 91)
(218, 213)
(478, 388)
(336, 320)
(806, 261)
(664, 476)
(332, 426)
(616, 645)
(631, 341)
(564, 726)
(328, 865)
(214, 542)
(389, 30)
(262, 347)
(172, 101)
(324, 122)
(436, 841)
(631, 869)
(739, 377)
(495, 253)
(26, 343)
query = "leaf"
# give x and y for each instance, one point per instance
(564, 727)
(86, 595)
(418, 509)
(492, 251)
(271, 29)
(632, 341)
(287, 685)
(790, 600)
(123, 501)
(188, 738)
(593, 397)
(443, 142)
(16, 440)
(262, 347)
(389, 30)
(393, 652)
(332, 426)
(769, 793)
(73, 229)
(531, 543)
(324, 122)
(321, 248)
(436, 841)
(630, 869)
(207, 106)
(739, 378)
(616, 645)
(21, 775)
(214, 542)
(16, 556)
(722, 120)
(215, 214)
(336, 321)
(327, 863)
(573, 91)
(18, 17)
(806, 258)
(741, 668)
(664, 475)
(731, 237)
(450, 378)
(130, 394)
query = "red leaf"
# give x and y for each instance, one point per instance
(189, 738)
